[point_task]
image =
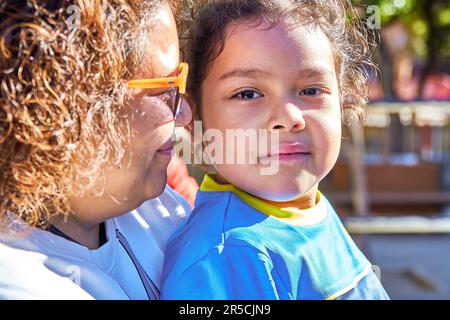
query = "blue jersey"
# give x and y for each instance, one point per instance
(227, 249)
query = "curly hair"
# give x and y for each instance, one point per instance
(350, 40)
(62, 70)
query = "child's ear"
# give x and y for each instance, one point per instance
(199, 157)
(352, 115)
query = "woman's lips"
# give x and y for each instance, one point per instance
(167, 148)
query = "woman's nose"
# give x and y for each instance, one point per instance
(184, 115)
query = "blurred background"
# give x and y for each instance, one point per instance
(391, 185)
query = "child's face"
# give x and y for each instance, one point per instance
(282, 80)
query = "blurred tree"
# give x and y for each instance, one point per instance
(428, 23)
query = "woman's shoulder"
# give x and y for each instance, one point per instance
(169, 203)
(24, 275)
(165, 212)
(155, 219)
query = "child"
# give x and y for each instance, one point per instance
(286, 68)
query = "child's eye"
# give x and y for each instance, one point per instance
(248, 95)
(311, 92)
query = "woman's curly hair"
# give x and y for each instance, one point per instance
(62, 70)
(350, 39)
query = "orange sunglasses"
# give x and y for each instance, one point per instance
(178, 82)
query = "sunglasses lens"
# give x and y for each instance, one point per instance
(177, 105)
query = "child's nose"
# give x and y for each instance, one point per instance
(288, 117)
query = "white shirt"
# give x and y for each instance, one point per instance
(43, 265)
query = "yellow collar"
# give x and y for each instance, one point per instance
(288, 215)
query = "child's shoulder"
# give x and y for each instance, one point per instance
(214, 215)
(218, 219)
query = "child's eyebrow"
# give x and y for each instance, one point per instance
(258, 73)
(245, 73)
(316, 73)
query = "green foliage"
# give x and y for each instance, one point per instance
(413, 14)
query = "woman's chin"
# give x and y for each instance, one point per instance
(155, 187)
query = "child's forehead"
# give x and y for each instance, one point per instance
(295, 30)
(249, 38)
(280, 51)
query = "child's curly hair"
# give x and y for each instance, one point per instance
(62, 70)
(350, 40)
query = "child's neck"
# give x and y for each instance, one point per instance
(305, 201)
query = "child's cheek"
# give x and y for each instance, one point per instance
(325, 133)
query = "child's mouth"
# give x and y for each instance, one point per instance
(290, 156)
(289, 152)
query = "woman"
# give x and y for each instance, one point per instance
(83, 143)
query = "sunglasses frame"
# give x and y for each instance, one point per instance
(178, 82)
